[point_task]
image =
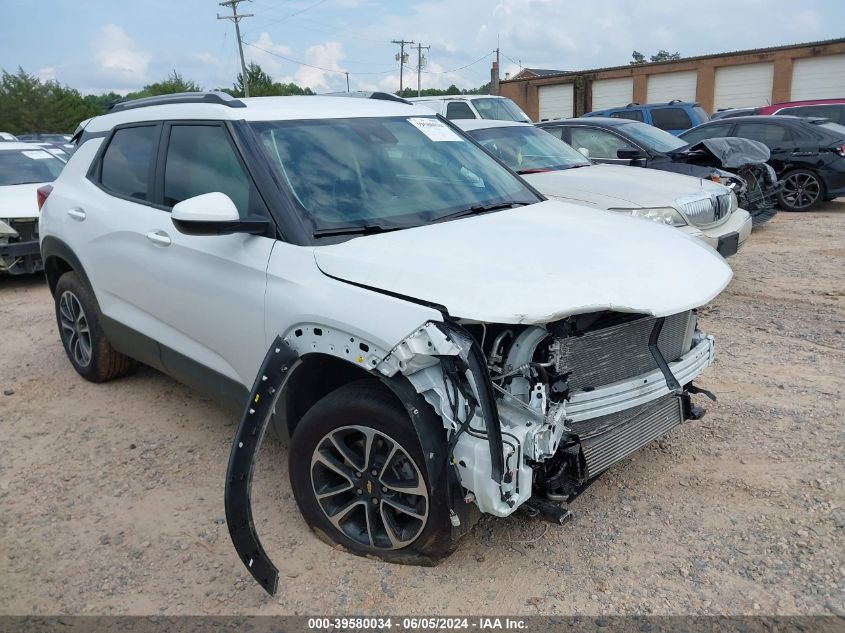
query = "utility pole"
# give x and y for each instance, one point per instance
(420, 60)
(494, 76)
(233, 4)
(401, 57)
(347, 82)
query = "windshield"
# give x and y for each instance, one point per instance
(526, 149)
(388, 172)
(499, 110)
(835, 128)
(20, 167)
(652, 137)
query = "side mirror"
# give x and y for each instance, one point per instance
(584, 152)
(214, 214)
(630, 154)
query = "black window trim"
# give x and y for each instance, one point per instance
(95, 172)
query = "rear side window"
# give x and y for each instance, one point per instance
(633, 115)
(770, 135)
(670, 119)
(125, 166)
(829, 111)
(459, 110)
(200, 159)
(701, 133)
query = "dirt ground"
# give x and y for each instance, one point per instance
(111, 496)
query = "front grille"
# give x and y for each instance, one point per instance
(610, 438)
(603, 356)
(704, 211)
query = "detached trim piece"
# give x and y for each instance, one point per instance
(256, 416)
(671, 381)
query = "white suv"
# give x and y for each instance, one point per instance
(434, 337)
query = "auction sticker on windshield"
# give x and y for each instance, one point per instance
(434, 129)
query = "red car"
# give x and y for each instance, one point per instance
(833, 109)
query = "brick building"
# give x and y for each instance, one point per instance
(725, 80)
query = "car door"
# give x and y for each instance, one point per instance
(601, 144)
(783, 144)
(191, 305)
(210, 291)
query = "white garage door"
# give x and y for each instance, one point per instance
(555, 102)
(818, 77)
(664, 87)
(743, 86)
(612, 93)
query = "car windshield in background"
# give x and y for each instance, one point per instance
(385, 173)
(527, 149)
(20, 167)
(499, 110)
(652, 137)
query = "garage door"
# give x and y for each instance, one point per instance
(667, 86)
(555, 102)
(612, 93)
(743, 86)
(818, 77)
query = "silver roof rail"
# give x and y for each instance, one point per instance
(214, 98)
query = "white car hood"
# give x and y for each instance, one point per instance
(19, 201)
(535, 264)
(616, 186)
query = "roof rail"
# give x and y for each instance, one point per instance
(632, 104)
(365, 94)
(215, 98)
(674, 101)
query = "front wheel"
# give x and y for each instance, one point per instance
(85, 343)
(802, 190)
(360, 481)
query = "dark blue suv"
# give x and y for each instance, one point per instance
(674, 117)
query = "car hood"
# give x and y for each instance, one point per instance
(535, 264)
(616, 186)
(19, 201)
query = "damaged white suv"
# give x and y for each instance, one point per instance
(434, 337)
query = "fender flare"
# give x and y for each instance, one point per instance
(54, 247)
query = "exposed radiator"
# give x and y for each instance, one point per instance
(603, 356)
(610, 438)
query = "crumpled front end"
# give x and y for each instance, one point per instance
(538, 411)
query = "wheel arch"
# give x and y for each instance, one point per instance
(59, 259)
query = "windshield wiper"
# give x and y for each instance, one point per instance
(355, 229)
(483, 208)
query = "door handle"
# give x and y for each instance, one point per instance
(76, 213)
(159, 237)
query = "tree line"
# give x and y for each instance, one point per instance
(29, 104)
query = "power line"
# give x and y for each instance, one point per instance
(328, 70)
(290, 15)
(444, 72)
(233, 4)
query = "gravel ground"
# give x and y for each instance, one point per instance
(111, 496)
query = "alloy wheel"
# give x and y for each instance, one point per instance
(369, 487)
(801, 190)
(76, 333)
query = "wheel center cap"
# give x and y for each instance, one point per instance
(369, 487)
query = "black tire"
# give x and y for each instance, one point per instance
(367, 405)
(802, 190)
(86, 345)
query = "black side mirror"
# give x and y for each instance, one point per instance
(630, 154)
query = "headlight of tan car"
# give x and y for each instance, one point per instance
(661, 215)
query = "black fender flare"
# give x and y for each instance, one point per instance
(254, 420)
(54, 247)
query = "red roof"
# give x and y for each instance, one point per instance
(775, 107)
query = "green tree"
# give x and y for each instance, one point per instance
(261, 84)
(638, 57)
(665, 56)
(28, 104)
(172, 84)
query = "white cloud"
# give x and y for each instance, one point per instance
(326, 56)
(46, 74)
(119, 58)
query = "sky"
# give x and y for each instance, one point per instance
(98, 46)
